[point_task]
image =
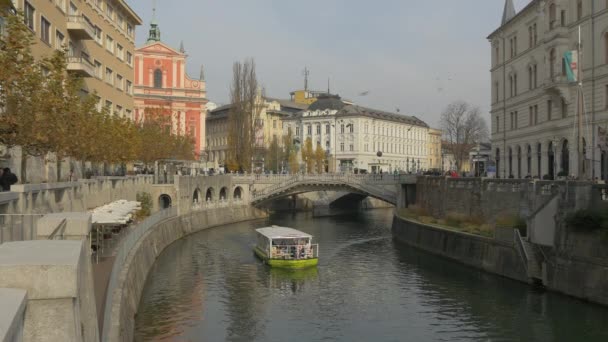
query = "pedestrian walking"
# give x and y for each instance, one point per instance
(7, 179)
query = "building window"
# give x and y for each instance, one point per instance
(327, 129)
(28, 15)
(515, 85)
(535, 34)
(531, 114)
(309, 129)
(45, 30)
(98, 70)
(158, 78)
(342, 128)
(497, 91)
(342, 147)
(129, 58)
(552, 60)
(59, 40)
(564, 109)
(119, 110)
(109, 76)
(579, 9)
(535, 114)
(120, 52)
(352, 147)
(297, 131)
(73, 9)
(552, 15)
(109, 11)
(128, 114)
(98, 35)
(530, 37)
(535, 74)
(318, 129)
(497, 124)
(110, 44)
(497, 54)
(119, 82)
(562, 18)
(352, 128)
(549, 109)
(130, 30)
(327, 145)
(108, 106)
(530, 78)
(121, 22)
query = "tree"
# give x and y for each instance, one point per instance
(244, 115)
(273, 156)
(320, 158)
(463, 126)
(308, 155)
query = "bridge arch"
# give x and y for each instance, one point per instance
(164, 201)
(197, 196)
(238, 193)
(223, 193)
(209, 194)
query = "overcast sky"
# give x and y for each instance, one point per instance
(414, 55)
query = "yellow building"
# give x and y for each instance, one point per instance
(434, 147)
(271, 117)
(307, 97)
(99, 36)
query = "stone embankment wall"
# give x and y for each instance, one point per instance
(489, 254)
(579, 269)
(142, 257)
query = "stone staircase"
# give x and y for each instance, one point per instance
(530, 257)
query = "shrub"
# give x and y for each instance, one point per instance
(507, 221)
(587, 220)
(427, 219)
(146, 204)
(455, 219)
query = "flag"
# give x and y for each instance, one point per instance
(571, 63)
(602, 134)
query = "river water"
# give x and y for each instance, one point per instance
(210, 287)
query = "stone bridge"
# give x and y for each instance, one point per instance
(385, 187)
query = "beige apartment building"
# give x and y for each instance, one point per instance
(434, 146)
(270, 127)
(534, 107)
(99, 36)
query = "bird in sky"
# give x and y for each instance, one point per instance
(365, 93)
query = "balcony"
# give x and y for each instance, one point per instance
(80, 28)
(81, 66)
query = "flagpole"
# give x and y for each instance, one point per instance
(579, 137)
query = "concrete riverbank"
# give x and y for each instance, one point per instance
(134, 271)
(585, 278)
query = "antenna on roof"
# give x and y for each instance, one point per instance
(328, 90)
(306, 72)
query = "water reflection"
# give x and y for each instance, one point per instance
(367, 287)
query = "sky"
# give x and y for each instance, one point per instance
(415, 56)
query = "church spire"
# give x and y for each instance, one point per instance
(154, 33)
(202, 77)
(509, 11)
(181, 47)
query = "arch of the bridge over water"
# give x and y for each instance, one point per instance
(238, 193)
(197, 196)
(223, 193)
(210, 194)
(164, 201)
(305, 188)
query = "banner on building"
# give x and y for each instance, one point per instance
(571, 64)
(602, 134)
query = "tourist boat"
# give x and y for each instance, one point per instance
(284, 247)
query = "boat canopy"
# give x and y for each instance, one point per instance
(276, 232)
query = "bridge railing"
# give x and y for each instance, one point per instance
(367, 182)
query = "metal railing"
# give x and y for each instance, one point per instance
(123, 251)
(294, 252)
(521, 248)
(58, 232)
(79, 19)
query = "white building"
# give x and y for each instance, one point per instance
(362, 138)
(534, 107)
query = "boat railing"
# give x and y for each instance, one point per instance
(295, 252)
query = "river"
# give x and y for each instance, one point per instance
(210, 287)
